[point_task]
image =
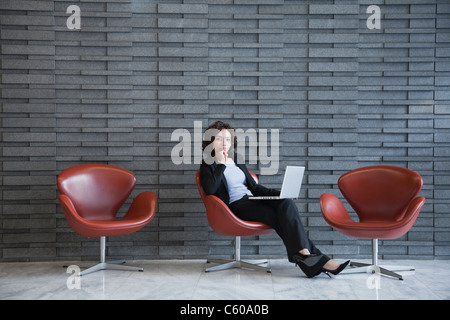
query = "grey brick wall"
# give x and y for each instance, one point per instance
(342, 96)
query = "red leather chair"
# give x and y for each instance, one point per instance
(385, 198)
(224, 222)
(92, 194)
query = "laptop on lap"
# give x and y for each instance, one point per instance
(292, 182)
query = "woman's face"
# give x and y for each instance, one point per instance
(222, 141)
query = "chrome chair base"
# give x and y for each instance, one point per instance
(357, 267)
(112, 265)
(229, 264)
(237, 262)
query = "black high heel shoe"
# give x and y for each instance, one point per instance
(311, 264)
(337, 270)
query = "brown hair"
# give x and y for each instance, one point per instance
(219, 125)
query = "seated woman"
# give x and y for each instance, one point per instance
(230, 181)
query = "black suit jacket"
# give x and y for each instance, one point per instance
(214, 182)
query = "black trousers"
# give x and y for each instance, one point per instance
(280, 215)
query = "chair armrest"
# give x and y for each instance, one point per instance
(219, 215)
(76, 222)
(142, 207)
(405, 223)
(334, 211)
(67, 205)
(413, 209)
(225, 222)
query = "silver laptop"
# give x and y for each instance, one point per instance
(292, 182)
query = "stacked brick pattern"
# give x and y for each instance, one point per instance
(343, 96)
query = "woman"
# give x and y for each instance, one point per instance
(229, 180)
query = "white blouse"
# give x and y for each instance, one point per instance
(235, 182)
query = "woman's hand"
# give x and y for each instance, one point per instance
(222, 157)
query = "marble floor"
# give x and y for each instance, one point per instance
(186, 280)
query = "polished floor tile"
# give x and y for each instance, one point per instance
(186, 280)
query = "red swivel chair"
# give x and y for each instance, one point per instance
(92, 194)
(224, 222)
(386, 202)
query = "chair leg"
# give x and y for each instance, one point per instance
(237, 262)
(358, 267)
(111, 265)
